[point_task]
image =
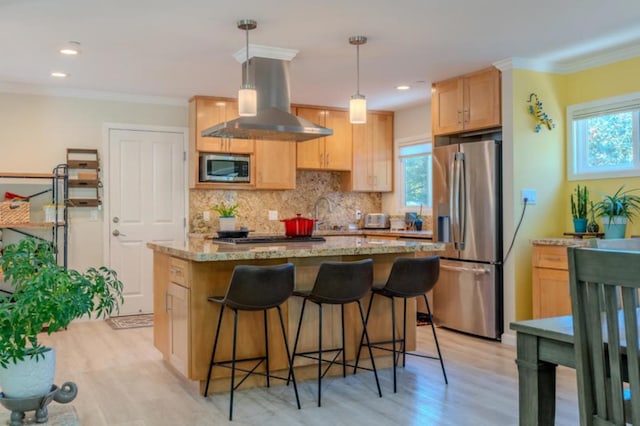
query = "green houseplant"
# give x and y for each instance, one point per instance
(227, 214)
(45, 294)
(616, 210)
(579, 208)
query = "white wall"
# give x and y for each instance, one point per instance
(412, 123)
(36, 130)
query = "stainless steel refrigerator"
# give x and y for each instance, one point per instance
(467, 215)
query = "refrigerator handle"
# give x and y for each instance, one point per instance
(456, 200)
(452, 199)
(462, 203)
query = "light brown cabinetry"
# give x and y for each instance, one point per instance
(372, 167)
(329, 153)
(469, 102)
(550, 281)
(208, 111)
(275, 164)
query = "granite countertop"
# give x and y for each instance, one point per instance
(204, 250)
(426, 235)
(561, 242)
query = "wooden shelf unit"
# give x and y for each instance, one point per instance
(84, 173)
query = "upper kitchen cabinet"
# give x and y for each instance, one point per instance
(372, 167)
(208, 111)
(466, 103)
(275, 165)
(329, 153)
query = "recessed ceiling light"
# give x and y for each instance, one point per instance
(58, 74)
(71, 48)
(403, 87)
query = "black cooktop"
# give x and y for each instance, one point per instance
(267, 239)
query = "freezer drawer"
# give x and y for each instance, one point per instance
(465, 298)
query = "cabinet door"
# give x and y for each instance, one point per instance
(446, 106)
(311, 154)
(209, 111)
(338, 146)
(178, 301)
(482, 100)
(381, 146)
(161, 267)
(550, 292)
(237, 146)
(275, 164)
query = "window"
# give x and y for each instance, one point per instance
(603, 138)
(415, 163)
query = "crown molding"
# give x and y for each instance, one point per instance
(571, 66)
(33, 89)
(256, 50)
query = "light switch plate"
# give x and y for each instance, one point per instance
(273, 214)
(206, 216)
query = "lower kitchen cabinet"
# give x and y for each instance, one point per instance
(275, 164)
(550, 281)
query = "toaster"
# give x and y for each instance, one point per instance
(376, 220)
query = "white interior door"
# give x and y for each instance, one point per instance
(146, 203)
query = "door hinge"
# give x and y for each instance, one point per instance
(184, 155)
(184, 222)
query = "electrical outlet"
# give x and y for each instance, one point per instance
(358, 215)
(206, 216)
(273, 214)
(529, 194)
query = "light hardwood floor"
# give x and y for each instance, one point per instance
(122, 380)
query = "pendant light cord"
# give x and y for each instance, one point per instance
(358, 69)
(246, 63)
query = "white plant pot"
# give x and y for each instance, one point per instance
(227, 223)
(30, 377)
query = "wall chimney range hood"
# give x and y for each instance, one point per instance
(274, 119)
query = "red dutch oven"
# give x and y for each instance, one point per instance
(298, 226)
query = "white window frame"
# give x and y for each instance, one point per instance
(400, 198)
(576, 152)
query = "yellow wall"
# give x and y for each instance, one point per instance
(539, 159)
(598, 83)
(538, 163)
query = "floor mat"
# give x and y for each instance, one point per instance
(131, 321)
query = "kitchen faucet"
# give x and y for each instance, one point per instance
(316, 208)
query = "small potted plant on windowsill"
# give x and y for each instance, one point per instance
(45, 294)
(579, 208)
(616, 210)
(227, 214)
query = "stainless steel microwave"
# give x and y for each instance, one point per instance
(225, 168)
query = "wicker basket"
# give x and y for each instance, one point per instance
(14, 212)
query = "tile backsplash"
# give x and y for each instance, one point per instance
(254, 205)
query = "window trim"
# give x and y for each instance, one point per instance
(400, 198)
(627, 102)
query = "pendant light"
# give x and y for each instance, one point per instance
(247, 98)
(358, 103)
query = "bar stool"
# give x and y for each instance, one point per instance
(337, 283)
(409, 277)
(254, 288)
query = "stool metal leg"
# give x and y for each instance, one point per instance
(344, 361)
(233, 361)
(393, 340)
(266, 345)
(355, 368)
(289, 359)
(319, 354)
(295, 343)
(213, 352)
(366, 335)
(404, 334)
(433, 328)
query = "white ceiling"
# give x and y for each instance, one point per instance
(178, 49)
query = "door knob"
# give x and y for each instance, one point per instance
(116, 219)
(117, 233)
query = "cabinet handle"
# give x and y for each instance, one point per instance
(321, 159)
(459, 117)
(465, 116)
(326, 163)
(166, 301)
(552, 259)
(176, 271)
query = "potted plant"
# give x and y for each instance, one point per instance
(45, 295)
(592, 226)
(616, 210)
(227, 214)
(579, 208)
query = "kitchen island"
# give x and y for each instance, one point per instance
(186, 274)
